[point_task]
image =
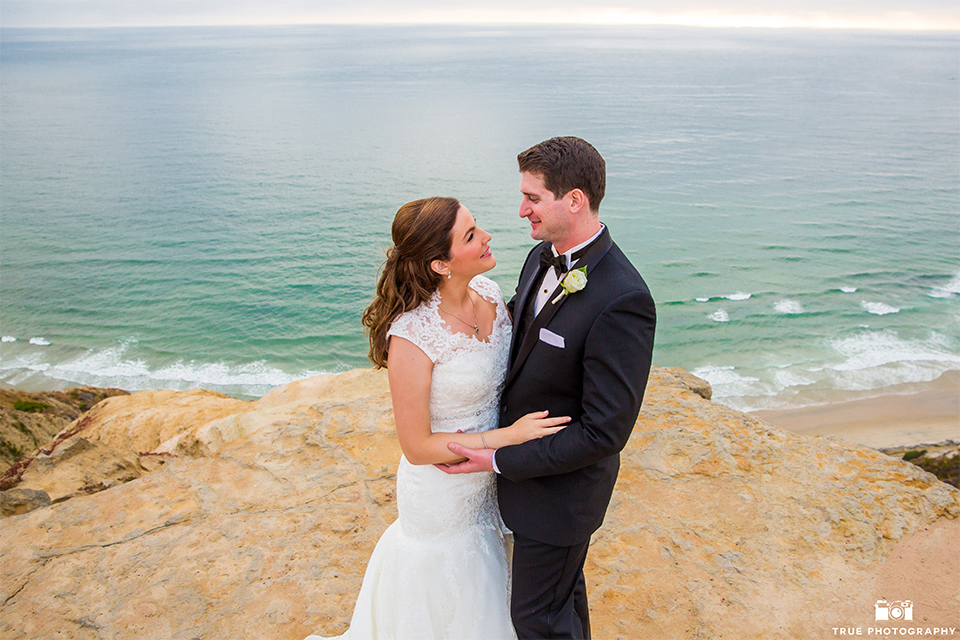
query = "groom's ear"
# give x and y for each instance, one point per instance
(578, 200)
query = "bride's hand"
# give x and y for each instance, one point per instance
(535, 425)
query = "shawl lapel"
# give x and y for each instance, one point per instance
(523, 296)
(597, 250)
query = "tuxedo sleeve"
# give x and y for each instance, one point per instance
(616, 365)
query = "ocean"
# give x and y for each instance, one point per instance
(209, 207)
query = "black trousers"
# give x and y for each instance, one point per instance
(549, 598)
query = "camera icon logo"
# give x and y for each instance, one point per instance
(895, 610)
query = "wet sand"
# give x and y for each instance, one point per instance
(907, 415)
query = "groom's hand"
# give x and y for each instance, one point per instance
(476, 460)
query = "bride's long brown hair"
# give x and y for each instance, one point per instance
(422, 232)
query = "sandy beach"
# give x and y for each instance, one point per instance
(906, 415)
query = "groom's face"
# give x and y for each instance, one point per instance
(549, 217)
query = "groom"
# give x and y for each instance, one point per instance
(582, 352)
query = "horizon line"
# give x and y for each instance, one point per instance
(424, 23)
(891, 21)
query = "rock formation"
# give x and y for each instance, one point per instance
(261, 521)
(29, 420)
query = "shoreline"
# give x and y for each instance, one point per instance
(904, 416)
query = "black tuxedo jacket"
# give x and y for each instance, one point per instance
(556, 489)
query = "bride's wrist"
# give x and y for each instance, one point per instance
(495, 438)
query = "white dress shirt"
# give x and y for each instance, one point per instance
(551, 279)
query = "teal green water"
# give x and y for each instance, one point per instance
(209, 207)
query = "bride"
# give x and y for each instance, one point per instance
(443, 332)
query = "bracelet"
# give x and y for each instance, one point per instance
(483, 441)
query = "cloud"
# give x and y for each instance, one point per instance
(880, 14)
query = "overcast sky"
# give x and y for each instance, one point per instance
(874, 14)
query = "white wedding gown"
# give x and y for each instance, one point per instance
(441, 570)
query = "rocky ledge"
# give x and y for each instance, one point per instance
(29, 420)
(190, 514)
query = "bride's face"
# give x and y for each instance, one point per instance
(470, 252)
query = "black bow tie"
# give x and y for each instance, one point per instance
(547, 259)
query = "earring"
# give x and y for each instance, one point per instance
(449, 275)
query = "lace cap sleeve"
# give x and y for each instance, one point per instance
(419, 326)
(487, 288)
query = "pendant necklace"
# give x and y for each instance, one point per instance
(476, 329)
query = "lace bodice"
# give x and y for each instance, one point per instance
(468, 373)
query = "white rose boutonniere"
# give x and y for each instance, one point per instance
(574, 281)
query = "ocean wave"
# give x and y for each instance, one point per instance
(875, 349)
(113, 368)
(788, 307)
(869, 361)
(878, 308)
(8, 339)
(848, 289)
(40, 342)
(730, 386)
(787, 378)
(722, 375)
(719, 315)
(948, 290)
(735, 297)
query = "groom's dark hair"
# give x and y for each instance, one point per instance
(567, 163)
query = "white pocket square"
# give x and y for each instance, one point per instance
(551, 338)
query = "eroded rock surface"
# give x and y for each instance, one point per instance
(28, 420)
(262, 519)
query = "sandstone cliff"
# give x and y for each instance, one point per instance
(29, 420)
(262, 517)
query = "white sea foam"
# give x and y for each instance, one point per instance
(27, 362)
(107, 364)
(42, 342)
(873, 360)
(786, 378)
(729, 385)
(737, 297)
(791, 307)
(868, 361)
(251, 374)
(721, 375)
(702, 299)
(113, 368)
(848, 289)
(719, 316)
(875, 349)
(948, 290)
(878, 308)
(8, 339)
